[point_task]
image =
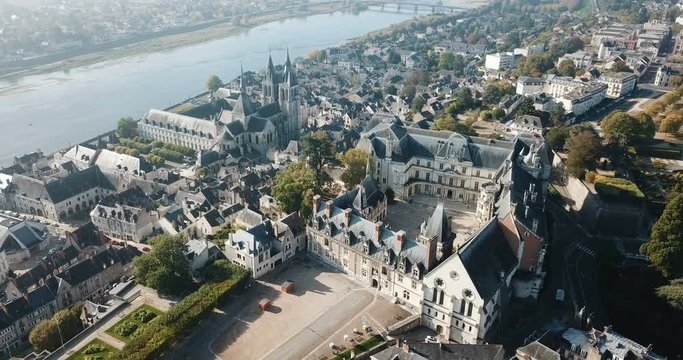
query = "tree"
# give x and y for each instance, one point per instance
(418, 103)
(665, 248)
(356, 162)
(318, 151)
(672, 293)
(672, 123)
(557, 114)
(557, 138)
(292, 185)
(622, 128)
(214, 83)
(566, 68)
(394, 58)
(408, 91)
(486, 115)
(165, 268)
(391, 90)
(584, 148)
(391, 195)
(64, 325)
(647, 125)
(448, 122)
(447, 61)
(620, 66)
(127, 128)
(498, 113)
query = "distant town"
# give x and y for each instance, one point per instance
(498, 183)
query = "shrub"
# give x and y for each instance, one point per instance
(144, 316)
(94, 349)
(617, 189)
(126, 329)
(590, 176)
(93, 357)
(658, 152)
(169, 155)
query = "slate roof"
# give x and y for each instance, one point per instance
(214, 218)
(488, 259)
(458, 351)
(538, 351)
(77, 183)
(110, 160)
(295, 223)
(181, 121)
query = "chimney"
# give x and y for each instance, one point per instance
(607, 329)
(316, 203)
(398, 343)
(406, 348)
(400, 238)
(347, 217)
(526, 212)
(378, 231)
(328, 209)
(275, 229)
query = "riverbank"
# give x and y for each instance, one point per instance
(169, 42)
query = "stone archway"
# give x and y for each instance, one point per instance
(375, 283)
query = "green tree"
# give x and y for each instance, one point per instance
(391, 90)
(408, 91)
(318, 151)
(394, 58)
(391, 195)
(672, 293)
(672, 123)
(557, 138)
(584, 148)
(127, 128)
(647, 125)
(665, 248)
(64, 325)
(446, 61)
(622, 128)
(566, 68)
(418, 103)
(498, 113)
(165, 268)
(214, 83)
(486, 115)
(293, 185)
(356, 162)
(448, 122)
(557, 114)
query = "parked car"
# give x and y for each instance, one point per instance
(431, 340)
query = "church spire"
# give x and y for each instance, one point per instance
(242, 85)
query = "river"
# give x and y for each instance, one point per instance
(53, 110)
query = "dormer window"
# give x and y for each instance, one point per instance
(416, 272)
(402, 265)
(366, 248)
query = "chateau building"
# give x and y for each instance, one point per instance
(235, 126)
(438, 163)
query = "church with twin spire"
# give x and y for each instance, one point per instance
(234, 124)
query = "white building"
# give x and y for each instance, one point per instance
(267, 245)
(197, 254)
(618, 84)
(128, 216)
(466, 294)
(664, 76)
(530, 86)
(500, 61)
(581, 59)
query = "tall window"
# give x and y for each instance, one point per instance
(441, 296)
(462, 307)
(469, 309)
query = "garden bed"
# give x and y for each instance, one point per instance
(360, 348)
(95, 350)
(134, 323)
(617, 189)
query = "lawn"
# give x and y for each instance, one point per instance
(96, 349)
(131, 325)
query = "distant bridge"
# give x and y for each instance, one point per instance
(437, 6)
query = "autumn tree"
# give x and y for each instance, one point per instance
(318, 151)
(293, 186)
(583, 148)
(557, 138)
(64, 325)
(672, 123)
(356, 162)
(165, 268)
(665, 248)
(214, 83)
(127, 128)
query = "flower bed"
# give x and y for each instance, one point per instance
(134, 323)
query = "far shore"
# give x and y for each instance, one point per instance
(170, 42)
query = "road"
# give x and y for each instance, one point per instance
(308, 338)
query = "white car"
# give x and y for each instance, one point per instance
(431, 340)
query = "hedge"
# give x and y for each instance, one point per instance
(658, 152)
(160, 335)
(617, 189)
(169, 155)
